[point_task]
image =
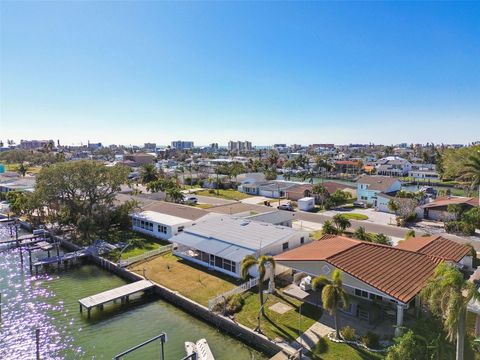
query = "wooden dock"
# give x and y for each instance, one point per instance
(122, 293)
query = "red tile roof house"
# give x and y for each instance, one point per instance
(438, 209)
(442, 248)
(378, 278)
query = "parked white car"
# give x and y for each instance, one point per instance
(190, 199)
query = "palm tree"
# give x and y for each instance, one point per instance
(22, 168)
(333, 295)
(361, 234)
(320, 192)
(249, 262)
(447, 294)
(329, 228)
(174, 194)
(148, 173)
(410, 234)
(471, 170)
(342, 222)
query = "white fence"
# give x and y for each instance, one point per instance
(238, 290)
(145, 255)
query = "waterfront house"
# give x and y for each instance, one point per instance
(369, 188)
(382, 281)
(164, 220)
(138, 159)
(222, 242)
(438, 208)
(393, 166)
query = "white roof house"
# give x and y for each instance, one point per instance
(222, 242)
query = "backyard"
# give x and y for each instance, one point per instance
(139, 243)
(190, 280)
(337, 351)
(228, 194)
(287, 325)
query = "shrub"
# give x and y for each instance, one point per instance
(211, 191)
(321, 346)
(348, 333)
(459, 227)
(235, 304)
(371, 340)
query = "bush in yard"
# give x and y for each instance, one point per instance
(235, 304)
(460, 227)
(348, 333)
(321, 346)
(371, 340)
(408, 347)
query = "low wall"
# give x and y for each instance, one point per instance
(225, 324)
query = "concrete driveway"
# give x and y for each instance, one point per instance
(374, 216)
(211, 200)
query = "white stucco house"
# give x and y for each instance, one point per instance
(393, 166)
(164, 220)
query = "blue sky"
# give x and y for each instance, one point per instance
(313, 72)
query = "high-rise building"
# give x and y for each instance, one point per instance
(182, 145)
(239, 146)
(149, 146)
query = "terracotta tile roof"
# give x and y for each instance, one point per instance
(448, 200)
(330, 245)
(399, 273)
(381, 183)
(347, 162)
(436, 246)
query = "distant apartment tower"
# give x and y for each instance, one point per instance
(182, 145)
(150, 146)
(214, 146)
(239, 146)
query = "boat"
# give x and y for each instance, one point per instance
(201, 348)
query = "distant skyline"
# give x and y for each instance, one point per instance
(276, 72)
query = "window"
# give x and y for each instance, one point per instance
(218, 262)
(302, 240)
(285, 246)
(180, 228)
(361, 293)
(162, 229)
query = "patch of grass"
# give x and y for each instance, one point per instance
(190, 280)
(337, 351)
(228, 194)
(203, 206)
(355, 216)
(286, 326)
(316, 235)
(151, 243)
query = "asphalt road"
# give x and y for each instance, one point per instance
(388, 230)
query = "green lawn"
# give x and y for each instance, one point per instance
(275, 325)
(337, 351)
(355, 216)
(151, 243)
(193, 281)
(316, 235)
(229, 194)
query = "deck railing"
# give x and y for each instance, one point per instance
(238, 290)
(145, 255)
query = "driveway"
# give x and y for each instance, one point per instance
(374, 216)
(211, 200)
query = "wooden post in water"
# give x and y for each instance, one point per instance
(37, 342)
(30, 259)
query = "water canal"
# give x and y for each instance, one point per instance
(49, 302)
